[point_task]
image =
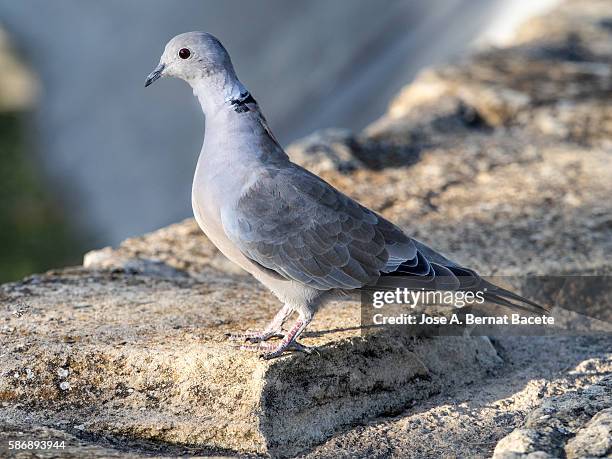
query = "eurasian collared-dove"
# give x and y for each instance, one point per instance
(295, 233)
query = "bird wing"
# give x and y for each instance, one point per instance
(292, 222)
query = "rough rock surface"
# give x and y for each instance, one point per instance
(502, 161)
(573, 425)
(145, 356)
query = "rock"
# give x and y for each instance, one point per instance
(501, 161)
(594, 439)
(149, 360)
(159, 254)
(327, 150)
(469, 421)
(574, 425)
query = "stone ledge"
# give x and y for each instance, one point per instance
(141, 357)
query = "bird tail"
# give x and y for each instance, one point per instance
(503, 297)
(430, 269)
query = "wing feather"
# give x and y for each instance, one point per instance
(321, 237)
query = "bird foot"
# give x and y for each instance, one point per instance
(271, 351)
(255, 336)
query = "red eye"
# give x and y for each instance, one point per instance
(184, 53)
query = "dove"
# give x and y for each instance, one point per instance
(295, 233)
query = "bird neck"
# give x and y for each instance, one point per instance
(235, 129)
(218, 93)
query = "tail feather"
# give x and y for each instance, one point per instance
(432, 270)
(502, 297)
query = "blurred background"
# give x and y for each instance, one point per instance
(89, 157)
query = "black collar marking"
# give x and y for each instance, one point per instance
(240, 103)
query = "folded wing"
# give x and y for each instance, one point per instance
(294, 223)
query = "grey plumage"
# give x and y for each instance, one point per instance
(294, 232)
(294, 223)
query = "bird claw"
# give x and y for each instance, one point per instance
(306, 349)
(270, 351)
(256, 347)
(295, 346)
(253, 336)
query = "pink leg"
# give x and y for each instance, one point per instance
(273, 329)
(288, 342)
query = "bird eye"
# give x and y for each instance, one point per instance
(184, 53)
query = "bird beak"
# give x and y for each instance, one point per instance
(154, 75)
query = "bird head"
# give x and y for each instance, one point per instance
(193, 56)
